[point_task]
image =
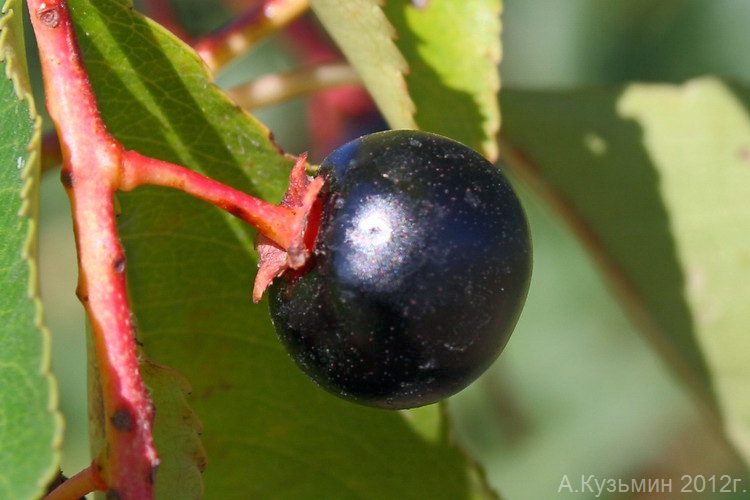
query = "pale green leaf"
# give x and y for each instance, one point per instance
(655, 179)
(453, 52)
(365, 36)
(30, 426)
(699, 136)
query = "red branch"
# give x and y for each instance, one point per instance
(253, 20)
(94, 166)
(285, 239)
(237, 37)
(83, 483)
(272, 220)
(90, 173)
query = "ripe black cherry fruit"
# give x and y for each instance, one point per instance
(418, 274)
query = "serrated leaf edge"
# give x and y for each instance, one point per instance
(493, 123)
(29, 209)
(405, 120)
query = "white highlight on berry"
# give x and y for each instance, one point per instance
(381, 239)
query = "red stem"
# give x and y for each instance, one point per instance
(260, 20)
(94, 166)
(90, 173)
(274, 221)
(86, 481)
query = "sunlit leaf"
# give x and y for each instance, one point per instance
(453, 51)
(365, 36)
(699, 136)
(654, 178)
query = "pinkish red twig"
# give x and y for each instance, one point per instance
(86, 481)
(90, 173)
(263, 18)
(282, 226)
(94, 166)
(271, 89)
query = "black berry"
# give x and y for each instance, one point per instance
(418, 275)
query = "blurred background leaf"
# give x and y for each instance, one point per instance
(592, 165)
(638, 172)
(698, 136)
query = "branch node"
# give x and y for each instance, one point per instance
(49, 14)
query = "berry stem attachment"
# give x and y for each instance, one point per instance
(286, 231)
(274, 221)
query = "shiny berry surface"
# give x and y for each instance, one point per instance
(419, 273)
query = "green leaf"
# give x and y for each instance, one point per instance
(447, 52)
(705, 185)
(267, 430)
(365, 36)
(453, 51)
(30, 426)
(181, 451)
(655, 179)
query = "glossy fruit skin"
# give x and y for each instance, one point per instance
(420, 270)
